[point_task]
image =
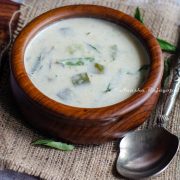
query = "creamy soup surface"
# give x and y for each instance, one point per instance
(86, 62)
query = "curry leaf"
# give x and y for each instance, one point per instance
(99, 67)
(166, 46)
(114, 50)
(80, 79)
(138, 15)
(75, 61)
(78, 63)
(108, 89)
(144, 67)
(93, 47)
(54, 144)
(167, 65)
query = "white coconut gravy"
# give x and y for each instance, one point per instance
(86, 62)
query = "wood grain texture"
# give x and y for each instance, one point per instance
(84, 125)
(7, 8)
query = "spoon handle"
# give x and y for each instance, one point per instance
(173, 90)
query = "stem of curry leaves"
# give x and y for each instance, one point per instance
(108, 89)
(93, 47)
(165, 46)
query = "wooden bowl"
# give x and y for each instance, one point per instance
(85, 125)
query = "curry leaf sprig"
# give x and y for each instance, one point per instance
(165, 46)
(54, 144)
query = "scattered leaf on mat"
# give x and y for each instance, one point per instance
(54, 144)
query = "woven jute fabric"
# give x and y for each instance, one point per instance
(84, 162)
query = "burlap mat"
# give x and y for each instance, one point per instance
(85, 162)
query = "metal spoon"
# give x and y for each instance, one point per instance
(148, 152)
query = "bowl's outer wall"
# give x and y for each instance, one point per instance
(82, 133)
(84, 125)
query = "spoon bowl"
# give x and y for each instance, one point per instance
(146, 153)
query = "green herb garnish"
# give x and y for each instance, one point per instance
(108, 89)
(80, 79)
(99, 67)
(138, 15)
(75, 61)
(65, 94)
(37, 64)
(93, 47)
(54, 144)
(78, 63)
(114, 50)
(166, 46)
(144, 67)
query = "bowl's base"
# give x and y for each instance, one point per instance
(82, 134)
